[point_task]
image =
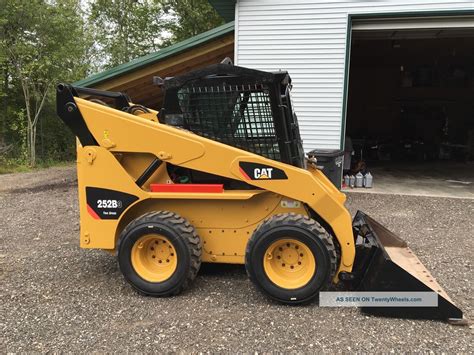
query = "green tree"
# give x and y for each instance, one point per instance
(192, 17)
(125, 29)
(43, 43)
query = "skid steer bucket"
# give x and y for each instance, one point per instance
(385, 263)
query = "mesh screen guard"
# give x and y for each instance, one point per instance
(245, 111)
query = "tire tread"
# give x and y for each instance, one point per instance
(298, 220)
(187, 232)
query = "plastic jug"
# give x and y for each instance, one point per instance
(347, 180)
(368, 180)
(352, 180)
(359, 180)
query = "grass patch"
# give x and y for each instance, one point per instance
(13, 167)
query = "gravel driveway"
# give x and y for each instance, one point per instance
(57, 297)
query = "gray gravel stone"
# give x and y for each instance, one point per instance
(57, 297)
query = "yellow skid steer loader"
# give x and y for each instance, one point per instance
(219, 175)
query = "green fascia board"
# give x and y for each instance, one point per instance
(225, 8)
(152, 58)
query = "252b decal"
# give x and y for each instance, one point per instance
(107, 204)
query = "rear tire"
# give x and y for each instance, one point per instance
(159, 254)
(290, 258)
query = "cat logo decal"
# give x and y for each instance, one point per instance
(255, 171)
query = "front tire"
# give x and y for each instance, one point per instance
(159, 254)
(290, 258)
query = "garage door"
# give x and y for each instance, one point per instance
(410, 109)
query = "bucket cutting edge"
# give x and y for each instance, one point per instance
(384, 262)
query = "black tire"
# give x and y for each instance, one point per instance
(180, 234)
(304, 230)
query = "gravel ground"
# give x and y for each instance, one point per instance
(57, 297)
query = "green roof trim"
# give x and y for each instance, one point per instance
(225, 8)
(152, 58)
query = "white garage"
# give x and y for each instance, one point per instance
(397, 77)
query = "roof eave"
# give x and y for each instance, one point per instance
(152, 58)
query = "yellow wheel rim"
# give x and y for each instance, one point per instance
(154, 258)
(289, 263)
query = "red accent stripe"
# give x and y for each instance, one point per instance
(212, 188)
(244, 173)
(92, 212)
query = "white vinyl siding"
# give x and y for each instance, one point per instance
(308, 39)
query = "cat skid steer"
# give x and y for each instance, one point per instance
(219, 176)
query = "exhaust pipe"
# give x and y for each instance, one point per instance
(384, 262)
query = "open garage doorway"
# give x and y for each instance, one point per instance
(410, 111)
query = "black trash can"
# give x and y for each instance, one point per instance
(330, 161)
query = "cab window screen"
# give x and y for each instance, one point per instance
(237, 115)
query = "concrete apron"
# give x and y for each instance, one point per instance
(425, 186)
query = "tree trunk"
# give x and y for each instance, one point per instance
(3, 133)
(28, 141)
(33, 146)
(32, 117)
